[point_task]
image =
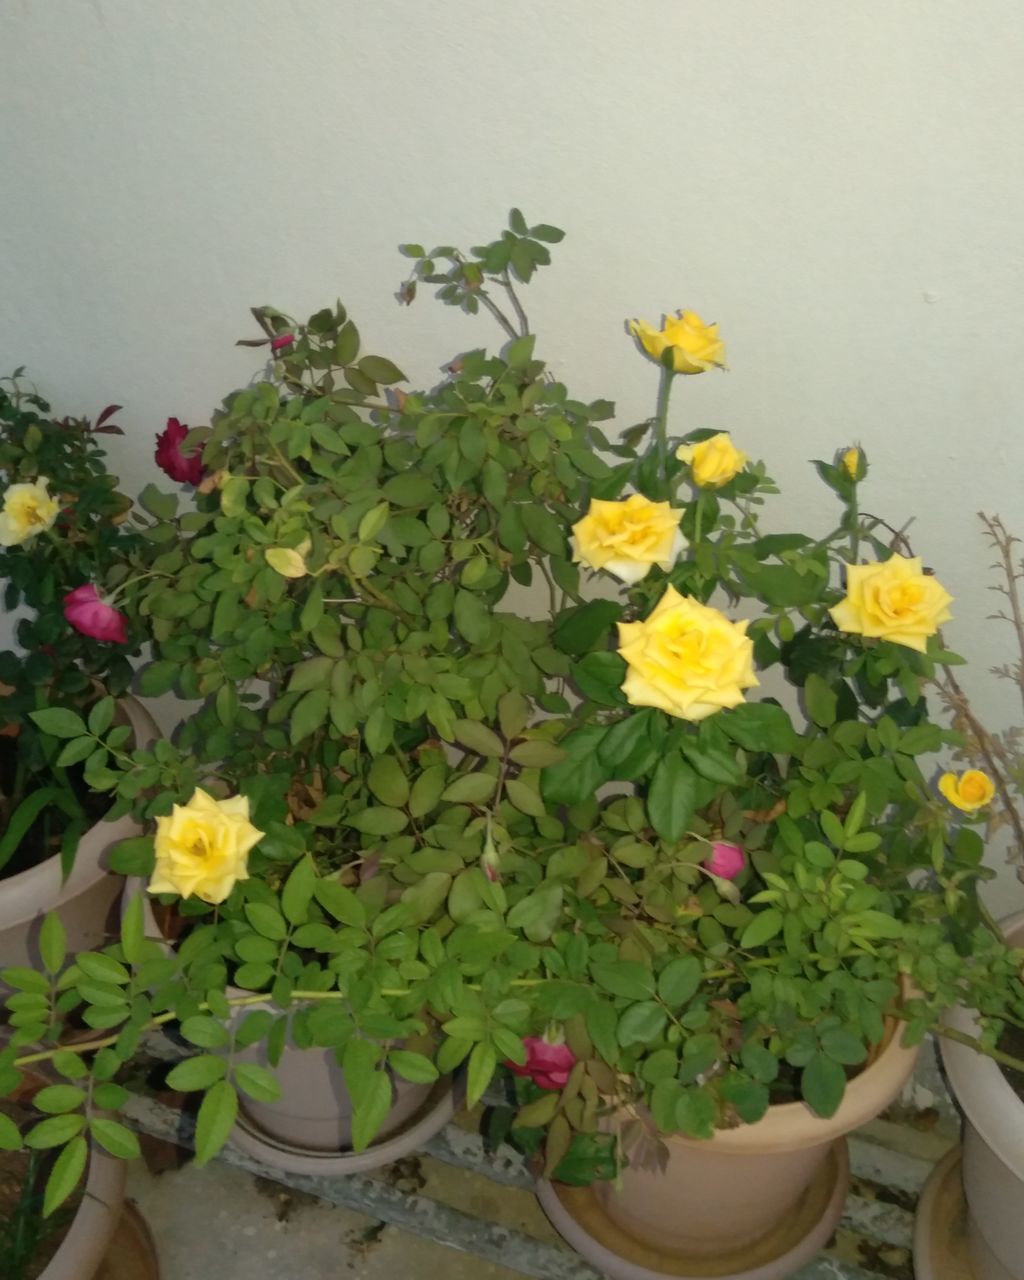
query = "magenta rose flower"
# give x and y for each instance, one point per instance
(92, 616)
(186, 469)
(285, 340)
(726, 860)
(547, 1065)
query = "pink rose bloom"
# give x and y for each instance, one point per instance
(547, 1065)
(726, 860)
(90, 615)
(170, 459)
(285, 340)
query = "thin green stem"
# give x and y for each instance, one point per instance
(661, 427)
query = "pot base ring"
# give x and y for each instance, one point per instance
(132, 1254)
(578, 1216)
(435, 1113)
(940, 1237)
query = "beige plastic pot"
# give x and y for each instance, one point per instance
(84, 1248)
(86, 900)
(729, 1191)
(993, 1147)
(309, 1130)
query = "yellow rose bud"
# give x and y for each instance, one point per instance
(695, 346)
(851, 460)
(628, 537)
(893, 600)
(713, 462)
(289, 562)
(972, 790)
(202, 848)
(28, 509)
(686, 658)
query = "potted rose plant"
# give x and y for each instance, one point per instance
(333, 595)
(741, 952)
(61, 530)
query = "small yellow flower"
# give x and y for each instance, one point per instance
(289, 562)
(202, 848)
(695, 346)
(851, 460)
(714, 461)
(28, 509)
(972, 790)
(686, 658)
(893, 600)
(627, 538)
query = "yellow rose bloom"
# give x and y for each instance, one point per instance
(972, 790)
(202, 848)
(695, 346)
(686, 658)
(851, 462)
(28, 509)
(713, 462)
(893, 600)
(626, 538)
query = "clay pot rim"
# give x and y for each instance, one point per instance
(42, 887)
(981, 1089)
(791, 1126)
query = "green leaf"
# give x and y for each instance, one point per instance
(76, 751)
(10, 1135)
(205, 1032)
(57, 1099)
(309, 714)
(257, 1082)
(525, 798)
(538, 913)
(20, 822)
(388, 782)
(266, 921)
(623, 738)
(381, 370)
(765, 925)
(844, 1047)
(379, 821)
(101, 717)
(821, 701)
(340, 902)
(215, 1120)
(115, 1137)
(543, 528)
(581, 773)
(54, 1132)
(59, 722)
(65, 1175)
(626, 978)
(371, 1111)
(297, 893)
(519, 352)
(672, 797)
(679, 980)
(53, 942)
(822, 1085)
(133, 932)
(602, 1023)
(472, 617)
(482, 1064)
(470, 788)
(579, 630)
(102, 968)
(641, 1024)
(415, 1067)
(161, 505)
(196, 1073)
(477, 737)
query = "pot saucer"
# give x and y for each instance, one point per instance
(435, 1113)
(578, 1216)
(940, 1239)
(132, 1254)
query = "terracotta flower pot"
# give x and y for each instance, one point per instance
(309, 1130)
(993, 1147)
(87, 898)
(729, 1191)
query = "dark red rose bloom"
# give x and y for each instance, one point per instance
(170, 459)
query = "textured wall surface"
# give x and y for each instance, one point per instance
(839, 186)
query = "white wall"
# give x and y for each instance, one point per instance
(839, 185)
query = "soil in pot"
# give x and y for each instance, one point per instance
(28, 1241)
(1012, 1042)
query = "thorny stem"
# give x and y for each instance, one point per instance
(517, 306)
(1003, 543)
